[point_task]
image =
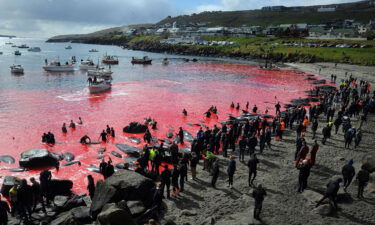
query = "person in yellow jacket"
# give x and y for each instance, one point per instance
(13, 198)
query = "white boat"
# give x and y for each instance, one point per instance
(93, 50)
(68, 47)
(16, 69)
(23, 46)
(87, 65)
(34, 49)
(100, 72)
(17, 52)
(98, 85)
(56, 66)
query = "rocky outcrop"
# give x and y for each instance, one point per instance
(135, 128)
(38, 158)
(115, 214)
(122, 185)
(368, 162)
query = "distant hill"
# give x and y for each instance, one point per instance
(8, 36)
(362, 11)
(81, 37)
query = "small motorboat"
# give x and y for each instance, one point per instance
(9, 43)
(17, 52)
(144, 60)
(93, 50)
(98, 84)
(108, 59)
(16, 69)
(68, 47)
(14, 46)
(34, 49)
(23, 46)
(165, 61)
(56, 66)
(87, 65)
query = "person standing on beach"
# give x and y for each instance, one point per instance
(258, 194)
(242, 146)
(313, 152)
(348, 173)
(304, 168)
(231, 170)
(4, 210)
(277, 106)
(252, 165)
(165, 178)
(215, 172)
(331, 192)
(175, 175)
(363, 177)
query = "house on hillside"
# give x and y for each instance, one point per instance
(277, 8)
(322, 9)
(342, 33)
(317, 32)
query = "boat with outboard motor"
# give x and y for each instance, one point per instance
(144, 60)
(18, 69)
(56, 66)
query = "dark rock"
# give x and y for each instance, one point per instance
(7, 159)
(62, 219)
(59, 201)
(368, 162)
(104, 193)
(130, 150)
(81, 213)
(8, 183)
(60, 187)
(112, 214)
(136, 208)
(75, 201)
(132, 186)
(135, 128)
(186, 212)
(38, 158)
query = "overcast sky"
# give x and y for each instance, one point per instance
(45, 18)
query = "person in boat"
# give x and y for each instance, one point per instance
(63, 128)
(89, 80)
(80, 122)
(58, 64)
(184, 112)
(66, 63)
(46, 61)
(85, 140)
(72, 124)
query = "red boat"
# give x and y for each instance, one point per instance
(108, 59)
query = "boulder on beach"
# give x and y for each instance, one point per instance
(115, 214)
(135, 128)
(122, 185)
(368, 162)
(8, 183)
(38, 158)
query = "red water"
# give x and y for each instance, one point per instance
(30, 113)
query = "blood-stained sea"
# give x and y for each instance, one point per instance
(156, 91)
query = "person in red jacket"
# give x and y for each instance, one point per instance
(302, 153)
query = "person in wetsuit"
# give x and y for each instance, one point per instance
(63, 128)
(103, 136)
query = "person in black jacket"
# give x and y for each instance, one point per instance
(363, 177)
(231, 170)
(110, 169)
(242, 145)
(326, 133)
(331, 192)
(24, 197)
(258, 195)
(4, 210)
(36, 194)
(183, 175)
(304, 172)
(215, 172)
(165, 178)
(175, 176)
(91, 186)
(181, 135)
(193, 165)
(157, 197)
(348, 173)
(252, 164)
